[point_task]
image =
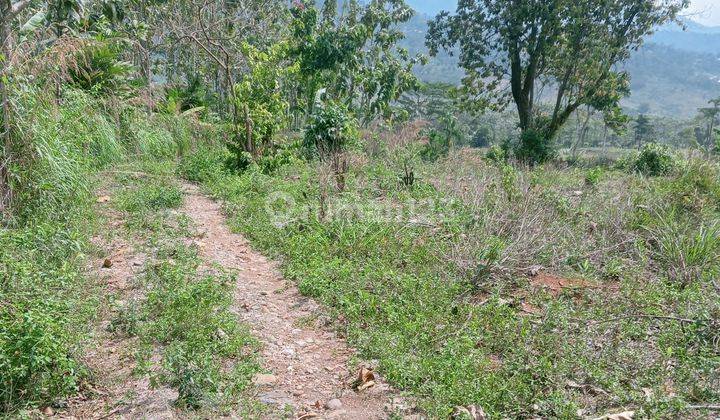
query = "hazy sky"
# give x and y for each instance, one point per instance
(706, 11)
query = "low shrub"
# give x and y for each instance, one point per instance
(151, 197)
(654, 160)
(330, 131)
(534, 148)
(496, 154)
(45, 307)
(437, 146)
(278, 156)
(204, 164)
(593, 176)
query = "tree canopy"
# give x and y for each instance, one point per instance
(523, 51)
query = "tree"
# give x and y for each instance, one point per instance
(571, 46)
(711, 117)
(352, 54)
(643, 130)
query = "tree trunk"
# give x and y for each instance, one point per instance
(5, 194)
(582, 134)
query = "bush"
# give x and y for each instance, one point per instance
(180, 98)
(330, 130)
(496, 154)
(654, 160)
(534, 148)
(204, 164)
(276, 157)
(437, 146)
(98, 69)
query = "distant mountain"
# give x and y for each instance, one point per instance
(695, 37)
(675, 73)
(670, 81)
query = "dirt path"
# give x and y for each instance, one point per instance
(115, 391)
(308, 366)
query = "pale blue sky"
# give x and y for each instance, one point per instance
(705, 11)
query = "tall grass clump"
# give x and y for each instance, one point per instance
(151, 136)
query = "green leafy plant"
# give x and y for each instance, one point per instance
(258, 96)
(98, 68)
(496, 154)
(437, 146)
(534, 148)
(654, 160)
(593, 176)
(331, 129)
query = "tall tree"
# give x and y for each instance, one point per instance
(711, 117)
(512, 49)
(643, 130)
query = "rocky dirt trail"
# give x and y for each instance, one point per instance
(308, 366)
(115, 391)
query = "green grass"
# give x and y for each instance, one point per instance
(439, 300)
(47, 300)
(45, 306)
(184, 315)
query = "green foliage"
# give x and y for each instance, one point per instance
(353, 55)
(438, 145)
(279, 156)
(204, 164)
(330, 130)
(260, 100)
(150, 136)
(644, 130)
(46, 305)
(687, 254)
(98, 69)
(193, 96)
(534, 148)
(151, 197)
(553, 40)
(654, 160)
(496, 154)
(593, 176)
(59, 151)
